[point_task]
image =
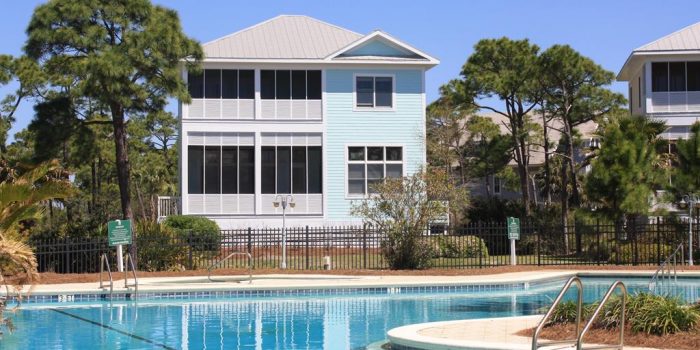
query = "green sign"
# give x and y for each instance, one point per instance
(513, 228)
(119, 232)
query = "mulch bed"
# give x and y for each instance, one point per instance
(681, 341)
(53, 278)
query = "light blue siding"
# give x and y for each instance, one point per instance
(403, 126)
(377, 48)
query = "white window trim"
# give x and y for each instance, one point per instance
(356, 108)
(350, 196)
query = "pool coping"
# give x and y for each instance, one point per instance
(476, 334)
(313, 285)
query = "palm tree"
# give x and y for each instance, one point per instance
(23, 190)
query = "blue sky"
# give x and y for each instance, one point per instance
(605, 31)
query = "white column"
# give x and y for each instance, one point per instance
(258, 168)
(258, 104)
(648, 106)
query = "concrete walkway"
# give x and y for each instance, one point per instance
(491, 333)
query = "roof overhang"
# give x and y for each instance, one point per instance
(637, 58)
(427, 60)
(339, 62)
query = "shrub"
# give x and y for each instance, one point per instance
(202, 234)
(157, 249)
(566, 311)
(660, 315)
(646, 252)
(462, 247)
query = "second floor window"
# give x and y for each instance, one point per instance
(374, 92)
(222, 83)
(290, 84)
(675, 76)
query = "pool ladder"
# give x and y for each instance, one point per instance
(577, 343)
(666, 276)
(128, 263)
(250, 266)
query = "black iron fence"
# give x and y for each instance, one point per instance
(474, 246)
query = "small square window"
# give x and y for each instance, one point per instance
(394, 153)
(375, 153)
(356, 153)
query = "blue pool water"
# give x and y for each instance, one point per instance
(329, 322)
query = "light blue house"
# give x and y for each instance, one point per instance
(296, 106)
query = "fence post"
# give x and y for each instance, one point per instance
(635, 258)
(307, 247)
(598, 251)
(189, 253)
(658, 242)
(539, 245)
(250, 241)
(364, 246)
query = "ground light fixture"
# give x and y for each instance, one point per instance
(284, 200)
(691, 201)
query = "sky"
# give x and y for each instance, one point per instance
(606, 31)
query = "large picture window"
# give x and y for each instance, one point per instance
(290, 84)
(221, 169)
(675, 76)
(291, 169)
(222, 83)
(369, 165)
(373, 92)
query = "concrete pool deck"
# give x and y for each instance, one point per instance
(490, 333)
(319, 281)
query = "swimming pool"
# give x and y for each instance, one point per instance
(343, 321)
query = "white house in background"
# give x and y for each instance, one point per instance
(664, 80)
(297, 106)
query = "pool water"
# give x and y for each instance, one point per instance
(334, 322)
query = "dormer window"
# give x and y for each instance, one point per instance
(374, 92)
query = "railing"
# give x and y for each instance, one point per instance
(129, 262)
(666, 275)
(579, 307)
(104, 261)
(606, 298)
(168, 206)
(250, 266)
(477, 245)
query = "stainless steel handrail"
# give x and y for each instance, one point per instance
(129, 262)
(250, 266)
(579, 306)
(613, 287)
(667, 270)
(104, 261)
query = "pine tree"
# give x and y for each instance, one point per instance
(126, 55)
(687, 174)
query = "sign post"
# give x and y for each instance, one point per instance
(513, 235)
(119, 233)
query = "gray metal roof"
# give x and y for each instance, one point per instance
(685, 39)
(283, 37)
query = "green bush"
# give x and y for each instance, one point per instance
(462, 247)
(202, 234)
(660, 315)
(646, 252)
(566, 311)
(157, 249)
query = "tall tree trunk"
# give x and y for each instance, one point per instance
(122, 159)
(547, 170)
(571, 162)
(564, 197)
(93, 186)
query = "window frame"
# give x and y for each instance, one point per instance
(221, 83)
(366, 162)
(291, 84)
(291, 170)
(374, 107)
(220, 167)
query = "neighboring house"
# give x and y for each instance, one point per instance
(494, 186)
(296, 106)
(664, 80)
